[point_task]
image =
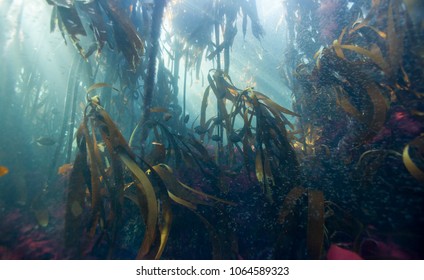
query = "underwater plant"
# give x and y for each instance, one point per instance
(125, 171)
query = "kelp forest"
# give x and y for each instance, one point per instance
(133, 129)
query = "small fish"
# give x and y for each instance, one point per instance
(234, 137)
(101, 146)
(217, 121)
(200, 130)
(186, 118)
(95, 100)
(65, 169)
(216, 137)
(3, 170)
(45, 141)
(100, 85)
(157, 154)
(167, 116)
(126, 186)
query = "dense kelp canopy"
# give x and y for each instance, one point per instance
(113, 161)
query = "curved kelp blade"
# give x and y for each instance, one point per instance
(112, 133)
(176, 190)
(379, 110)
(146, 190)
(343, 101)
(413, 158)
(203, 111)
(100, 85)
(290, 202)
(375, 57)
(211, 197)
(95, 178)
(126, 36)
(315, 235)
(270, 103)
(164, 227)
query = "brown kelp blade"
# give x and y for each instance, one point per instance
(315, 235)
(164, 228)
(146, 189)
(100, 85)
(375, 57)
(176, 189)
(126, 35)
(203, 110)
(112, 133)
(413, 158)
(290, 202)
(394, 40)
(71, 20)
(343, 101)
(117, 145)
(76, 195)
(270, 103)
(95, 177)
(379, 110)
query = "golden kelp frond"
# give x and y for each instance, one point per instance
(118, 150)
(267, 137)
(387, 50)
(413, 158)
(370, 162)
(95, 177)
(371, 153)
(380, 108)
(342, 100)
(375, 57)
(146, 192)
(176, 189)
(191, 198)
(99, 85)
(68, 18)
(203, 111)
(109, 129)
(184, 192)
(164, 226)
(294, 200)
(155, 188)
(271, 104)
(146, 189)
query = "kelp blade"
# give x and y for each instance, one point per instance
(414, 170)
(315, 235)
(289, 203)
(146, 189)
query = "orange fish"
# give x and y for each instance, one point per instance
(3, 170)
(65, 169)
